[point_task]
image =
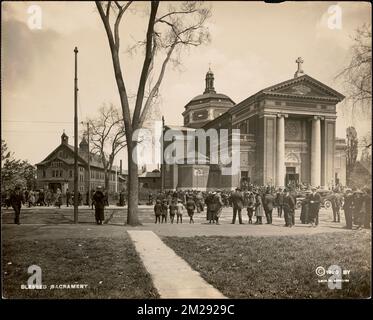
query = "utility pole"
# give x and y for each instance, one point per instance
(89, 167)
(76, 138)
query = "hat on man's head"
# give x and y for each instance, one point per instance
(313, 188)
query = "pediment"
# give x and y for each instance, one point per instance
(304, 86)
(54, 155)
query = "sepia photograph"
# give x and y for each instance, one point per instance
(171, 150)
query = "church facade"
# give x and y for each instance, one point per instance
(287, 135)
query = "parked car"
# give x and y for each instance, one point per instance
(326, 196)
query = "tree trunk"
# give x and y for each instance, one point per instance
(106, 173)
(133, 187)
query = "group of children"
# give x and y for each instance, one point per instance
(176, 207)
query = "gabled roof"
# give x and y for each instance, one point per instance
(304, 87)
(311, 88)
(95, 160)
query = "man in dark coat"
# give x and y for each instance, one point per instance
(16, 200)
(279, 202)
(99, 202)
(190, 206)
(348, 206)
(314, 207)
(208, 202)
(289, 208)
(237, 204)
(268, 201)
(336, 206)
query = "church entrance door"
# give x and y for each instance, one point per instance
(291, 178)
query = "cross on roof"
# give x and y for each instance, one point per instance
(299, 72)
(299, 61)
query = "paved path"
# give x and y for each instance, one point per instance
(172, 276)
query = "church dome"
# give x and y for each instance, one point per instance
(207, 106)
(210, 94)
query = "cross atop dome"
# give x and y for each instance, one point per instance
(299, 72)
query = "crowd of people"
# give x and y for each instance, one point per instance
(260, 201)
(19, 197)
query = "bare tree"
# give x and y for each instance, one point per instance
(169, 30)
(357, 76)
(107, 136)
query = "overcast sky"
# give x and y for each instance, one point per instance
(253, 45)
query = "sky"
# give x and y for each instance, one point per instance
(253, 45)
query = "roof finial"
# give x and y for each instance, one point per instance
(299, 72)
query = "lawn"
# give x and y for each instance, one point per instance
(110, 268)
(279, 267)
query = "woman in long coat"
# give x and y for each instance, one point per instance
(99, 202)
(209, 212)
(304, 211)
(258, 209)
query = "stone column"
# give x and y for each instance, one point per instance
(316, 152)
(280, 159)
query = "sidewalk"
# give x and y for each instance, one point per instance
(172, 276)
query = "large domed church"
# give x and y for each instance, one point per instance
(286, 136)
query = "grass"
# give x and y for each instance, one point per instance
(110, 268)
(279, 267)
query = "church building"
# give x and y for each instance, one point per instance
(287, 135)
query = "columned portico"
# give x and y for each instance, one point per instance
(316, 152)
(280, 161)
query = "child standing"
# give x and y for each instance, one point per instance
(164, 211)
(173, 210)
(179, 212)
(158, 211)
